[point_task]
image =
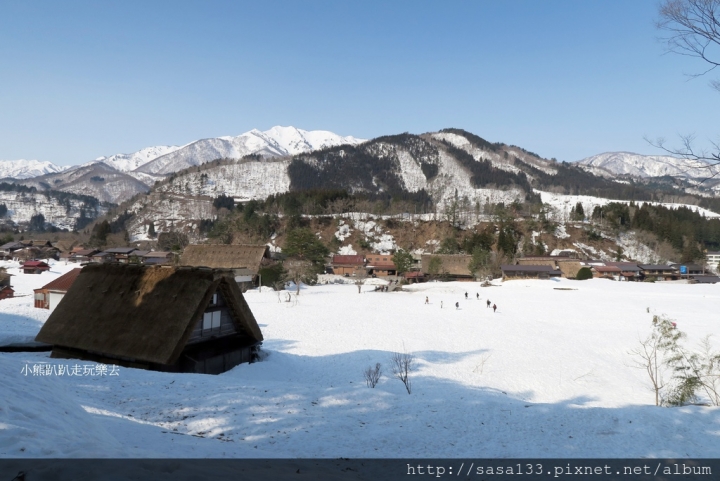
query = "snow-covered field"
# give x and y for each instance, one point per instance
(547, 375)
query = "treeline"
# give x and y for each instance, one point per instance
(685, 229)
(344, 167)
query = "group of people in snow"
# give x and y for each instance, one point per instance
(457, 304)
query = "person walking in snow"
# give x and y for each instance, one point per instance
(457, 305)
(466, 296)
(488, 303)
(494, 308)
(477, 296)
(440, 304)
(427, 301)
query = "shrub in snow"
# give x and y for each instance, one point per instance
(583, 274)
(676, 374)
(372, 375)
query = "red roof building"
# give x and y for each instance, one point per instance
(348, 264)
(49, 295)
(35, 267)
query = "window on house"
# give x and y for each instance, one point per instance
(214, 299)
(211, 320)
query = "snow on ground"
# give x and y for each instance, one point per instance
(547, 375)
(20, 321)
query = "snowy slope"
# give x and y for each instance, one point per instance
(276, 142)
(24, 169)
(644, 166)
(547, 375)
(563, 204)
(129, 162)
(97, 179)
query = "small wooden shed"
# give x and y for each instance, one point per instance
(176, 319)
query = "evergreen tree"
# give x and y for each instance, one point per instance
(37, 223)
(403, 261)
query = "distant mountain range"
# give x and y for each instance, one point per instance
(120, 176)
(645, 166)
(435, 168)
(25, 169)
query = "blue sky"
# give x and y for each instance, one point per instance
(564, 79)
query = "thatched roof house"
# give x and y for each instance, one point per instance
(179, 319)
(452, 266)
(226, 256)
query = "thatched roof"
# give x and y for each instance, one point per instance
(224, 256)
(141, 313)
(454, 265)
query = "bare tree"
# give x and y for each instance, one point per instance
(402, 365)
(649, 358)
(372, 375)
(693, 29)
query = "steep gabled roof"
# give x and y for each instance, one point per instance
(63, 282)
(139, 312)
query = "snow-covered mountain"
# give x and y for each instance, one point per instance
(130, 162)
(25, 169)
(276, 142)
(96, 179)
(645, 166)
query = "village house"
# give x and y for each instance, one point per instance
(567, 265)
(518, 271)
(102, 256)
(658, 271)
(6, 290)
(629, 271)
(348, 265)
(50, 295)
(606, 272)
(689, 269)
(380, 265)
(82, 255)
(240, 258)
(157, 258)
(449, 266)
(175, 319)
(8, 250)
(136, 256)
(34, 267)
(120, 254)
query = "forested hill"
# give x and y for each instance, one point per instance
(441, 163)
